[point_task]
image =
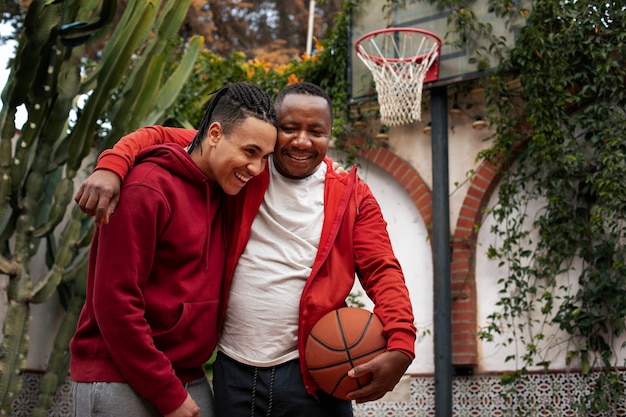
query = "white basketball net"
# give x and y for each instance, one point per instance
(399, 75)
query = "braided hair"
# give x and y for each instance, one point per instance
(231, 105)
(306, 89)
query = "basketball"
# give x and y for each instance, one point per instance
(339, 341)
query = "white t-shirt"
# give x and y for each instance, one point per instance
(261, 322)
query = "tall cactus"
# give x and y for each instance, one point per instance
(38, 166)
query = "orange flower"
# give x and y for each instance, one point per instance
(292, 79)
(281, 69)
(262, 63)
(318, 45)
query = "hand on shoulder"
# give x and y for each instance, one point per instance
(338, 168)
(99, 194)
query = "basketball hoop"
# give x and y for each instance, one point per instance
(401, 61)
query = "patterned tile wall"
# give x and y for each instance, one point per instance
(540, 395)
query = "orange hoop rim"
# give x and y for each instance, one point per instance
(379, 60)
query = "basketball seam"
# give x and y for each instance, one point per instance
(347, 349)
(331, 365)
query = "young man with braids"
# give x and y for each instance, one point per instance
(150, 320)
(301, 232)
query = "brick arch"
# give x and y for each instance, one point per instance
(462, 271)
(407, 176)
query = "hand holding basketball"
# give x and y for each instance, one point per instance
(386, 369)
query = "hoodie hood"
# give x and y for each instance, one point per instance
(175, 159)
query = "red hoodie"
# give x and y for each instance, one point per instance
(154, 281)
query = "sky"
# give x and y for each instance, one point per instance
(7, 51)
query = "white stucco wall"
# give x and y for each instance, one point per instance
(409, 239)
(415, 147)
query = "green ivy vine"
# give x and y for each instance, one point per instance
(557, 104)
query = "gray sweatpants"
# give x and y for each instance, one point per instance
(114, 399)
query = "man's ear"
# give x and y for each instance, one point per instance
(215, 133)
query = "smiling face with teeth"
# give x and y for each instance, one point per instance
(304, 128)
(233, 159)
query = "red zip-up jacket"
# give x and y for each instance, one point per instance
(150, 318)
(354, 239)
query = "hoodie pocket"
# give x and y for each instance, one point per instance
(192, 339)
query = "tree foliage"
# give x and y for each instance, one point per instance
(276, 30)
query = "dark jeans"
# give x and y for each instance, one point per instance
(278, 391)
